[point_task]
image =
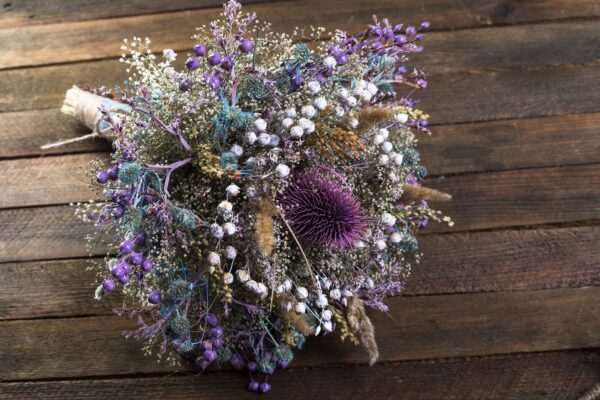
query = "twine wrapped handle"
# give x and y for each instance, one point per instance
(85, 107)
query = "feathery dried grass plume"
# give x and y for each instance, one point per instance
(360, 323)
(371, 116)
(424, 193)
(264, 226)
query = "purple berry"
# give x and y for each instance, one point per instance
(411, 31)
(117, 212)
(154, 297)
(400, 39)
(246, 45)
(265, 387)
(425, 24)
(139, 275)
(298, 80)
(398, 28)
(126, 247)
(227, 63)
(283, 364)
(123, 265)
(207, 345)
(377, 45)
(200, 49)
(388, 32)
(212, 81)
(128, 155)
(102, 177)
(136, 258)
(117, 271)
(108, 285)
(376, 30)
(140, 239)
(237, 363)
(124, 279)
(253, 386)
(147, 265)
(214, 59)
(210, 356)
(251, 366)
(113, 173)
(201, 363)
(185, 85)
(216, 332)
(218, 341)
(341, 58)
(192, 63)
(212, 319)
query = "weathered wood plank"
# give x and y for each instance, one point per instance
(481, 201)
(468, 13)
(453, 263)
(506, 47)
(92, 40)
(512, 144)
(521, 197)
(26, 13)
(548, 376)
(416, 328)
(45, 181)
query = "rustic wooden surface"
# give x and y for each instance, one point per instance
(504, 304)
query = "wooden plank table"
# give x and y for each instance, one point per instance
(504, 304)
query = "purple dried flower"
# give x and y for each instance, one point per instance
(246, 45)
(322, 212)
(214, 59)
(192, 63)
(200, 49)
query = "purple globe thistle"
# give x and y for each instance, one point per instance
(246, 45)
(322, 212)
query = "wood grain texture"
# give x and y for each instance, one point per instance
(521, 197)
(547, 376)
(452, 263)
(89, 40)
(33, 12)
(512, 144)
(493, 48)
(415, 328)
(469, 13)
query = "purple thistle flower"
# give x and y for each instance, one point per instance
(322, 212)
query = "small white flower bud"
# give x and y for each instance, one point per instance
(260, 124)
(326, 315)
(169, 55)
(329, 62)
(237, 150)
(301, 293)
(343, 93)
(346, 292)
(308, 111)
(369, 284)
(328, 326)
(359, 244)
(339, 112)
(383, 159)
(274, 140)
(402, 118)
(386, 147)
(300, 308)
(242, 275)
(320, 103)
(380, 245)
(311, 127)
(262, 290)
(335, 294)
(282, 170)
(230, 252)
(296, 131)
(321, 301)
(213, 258)
(252, 285)
(251, 137)
(287, 122)
(372, 88)
(361, 84)
(224, 207)
(396, 237)
(378, 139)
(233, 190)
(229, 228)
(290, 112)
(351, 100)
(227, 278)
(314, 86)
(353, 123)
(398, 159)
(216, 230)
(388, 219)
(288, 285)
(365, 96)
(264, 139)
(384, 132)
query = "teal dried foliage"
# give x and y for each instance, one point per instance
(129, 173)
(180, 326)
(410, 156)
(301, 54)
(254, 88)
(224, 355)
(299, 339)
(266, 366)
(420, 172)
(185, 218)
(179, 290)
(132, 219)
(231, 118)
(186, 346)
(284, 353)
(229, 161)
(409, 243)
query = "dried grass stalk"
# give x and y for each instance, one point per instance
(263, 227)
(423, 193)
(360, 323)
(371, 116)
(298, 321)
